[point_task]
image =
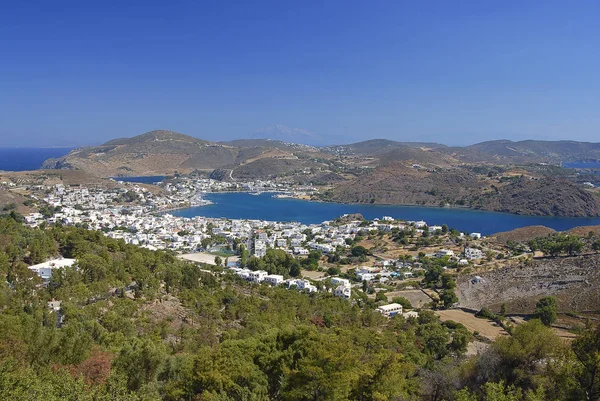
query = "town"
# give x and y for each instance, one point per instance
(139, 216)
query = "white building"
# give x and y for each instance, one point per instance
(44, 270)
(444, 252)
(343, 291)
(301, 251)
(257, 276)
(340, 281)
(273, 279)
(390, 310)
(473, 253)
(305, 285)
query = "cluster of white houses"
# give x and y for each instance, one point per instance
(261, 276)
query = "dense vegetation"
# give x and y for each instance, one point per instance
(141, 325)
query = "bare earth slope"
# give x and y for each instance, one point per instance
(573, 280)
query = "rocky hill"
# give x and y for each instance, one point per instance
(153, 153)
(541, 197)
(397, 183)
(165, 152)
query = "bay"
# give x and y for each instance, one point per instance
(241, 205)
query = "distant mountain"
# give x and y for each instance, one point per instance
(374, 147)
(283, 133)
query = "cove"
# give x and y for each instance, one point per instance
(240, 205)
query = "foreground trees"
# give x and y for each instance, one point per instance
(142, 325)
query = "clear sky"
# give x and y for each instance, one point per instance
(456, 72)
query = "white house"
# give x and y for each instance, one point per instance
(362, 276)
(273, 279)
(305, 285)
(257, 276)
(434, 229)
(260, 249)
(444, 252)
(473, 253)
(390, 310)
(340, 281)
(476, 235)
(301, 251)
(343, 291)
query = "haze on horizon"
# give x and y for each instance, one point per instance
(81, 73)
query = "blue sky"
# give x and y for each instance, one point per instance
(456, 72)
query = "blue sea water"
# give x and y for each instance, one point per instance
(24, 159)
(581, 164)
(151, 179)
(265, 207)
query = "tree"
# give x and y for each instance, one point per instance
(359, 250)
(586, 348)
(546, 309)
(517, 359)
(243, 255)
(140, 362)
(448, 298)
(218, 261)
(596, 246)
(402, 301)
(435, 339)
(380, 296)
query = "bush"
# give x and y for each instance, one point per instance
(402, 301)
(546, 309)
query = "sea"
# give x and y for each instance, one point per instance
(239, 205)
(24, 159)
(150, 179)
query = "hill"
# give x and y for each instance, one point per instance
(397, 183)
(377, 146)
(542, 197)
(537, 151)
(154, 153)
